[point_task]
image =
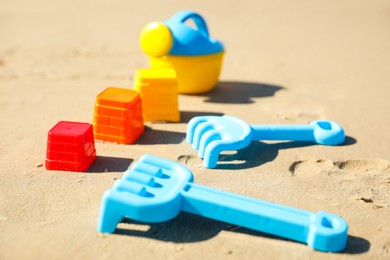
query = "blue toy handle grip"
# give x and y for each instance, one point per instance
(283, 132)
(200, 23)
(321, 231)
(321, 131)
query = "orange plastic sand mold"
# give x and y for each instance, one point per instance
(118, 116)
(159, 94)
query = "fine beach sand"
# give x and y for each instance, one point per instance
(286, 63)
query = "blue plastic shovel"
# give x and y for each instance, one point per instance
(212, 135)
(156, 190)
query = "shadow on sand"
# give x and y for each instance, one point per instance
(189, 228)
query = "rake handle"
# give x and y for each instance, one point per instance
(321, 231)
(283, 132)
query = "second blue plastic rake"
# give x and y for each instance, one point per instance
(156, 190)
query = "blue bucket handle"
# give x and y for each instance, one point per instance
(200, 23)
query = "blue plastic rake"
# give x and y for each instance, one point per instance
(211, 135)
(156, 190)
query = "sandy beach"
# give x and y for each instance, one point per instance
(285, 63)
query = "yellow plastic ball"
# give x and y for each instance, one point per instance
(156, 39)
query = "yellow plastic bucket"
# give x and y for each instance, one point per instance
(195, 74)
(191, 52)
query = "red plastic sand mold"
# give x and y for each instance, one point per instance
(70, 147)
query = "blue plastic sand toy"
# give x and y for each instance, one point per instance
(156, 190)
(212, 135)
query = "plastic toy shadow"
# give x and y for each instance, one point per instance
(235, 92)
(155, 136)
(259, 153)
(189, 228)
(109, 164)
(186, 116)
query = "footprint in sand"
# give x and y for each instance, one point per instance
(349, 166)
(363, 165)
(366, 181)
(386, 249)
(188, 159)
